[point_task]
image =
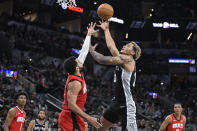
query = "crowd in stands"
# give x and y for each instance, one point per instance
(161, 9)
(38, 56)
(9, 87)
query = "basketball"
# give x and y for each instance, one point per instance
(105, 11)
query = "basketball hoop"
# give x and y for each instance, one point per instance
(67, 2)
(70, 3)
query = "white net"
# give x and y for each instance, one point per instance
(71, 2)
(68, 2)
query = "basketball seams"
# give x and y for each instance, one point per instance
(104, 12)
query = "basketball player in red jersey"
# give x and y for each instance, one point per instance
(72, 116)
(16, 115)
(175, 121)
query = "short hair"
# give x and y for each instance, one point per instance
(137, 50)
(41, 110)
(179, 103)
(70, 65)
(21, 93)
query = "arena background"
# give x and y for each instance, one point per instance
(37, 35)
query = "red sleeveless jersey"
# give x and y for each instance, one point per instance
(176, 125)
(68, 121)
(18, 121)
(81, 98)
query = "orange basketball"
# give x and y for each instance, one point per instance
(105, 11)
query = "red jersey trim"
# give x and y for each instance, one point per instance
(175, 124)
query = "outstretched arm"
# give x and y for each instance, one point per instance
(109, 60)
(86, 44)
(109, 40)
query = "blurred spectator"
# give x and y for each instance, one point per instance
(42, 106)
(38, 60)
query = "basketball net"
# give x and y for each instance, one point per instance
(71, 3)
(67, 2)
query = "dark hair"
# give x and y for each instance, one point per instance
(41, 110)
(178, 103)
(70, 65)
(21, 93)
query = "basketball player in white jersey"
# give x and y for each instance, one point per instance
(123, 107)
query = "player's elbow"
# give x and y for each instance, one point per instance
(162, 129)
(105, 61)
(71, 106)
(100, 62)
(6, 127)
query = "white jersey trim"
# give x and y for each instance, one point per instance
(131, 108)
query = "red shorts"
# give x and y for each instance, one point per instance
(68, 121)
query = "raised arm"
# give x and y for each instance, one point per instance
(109, 40)
(10, 116)
(109, 60)
(86, 44)
(165, 123)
